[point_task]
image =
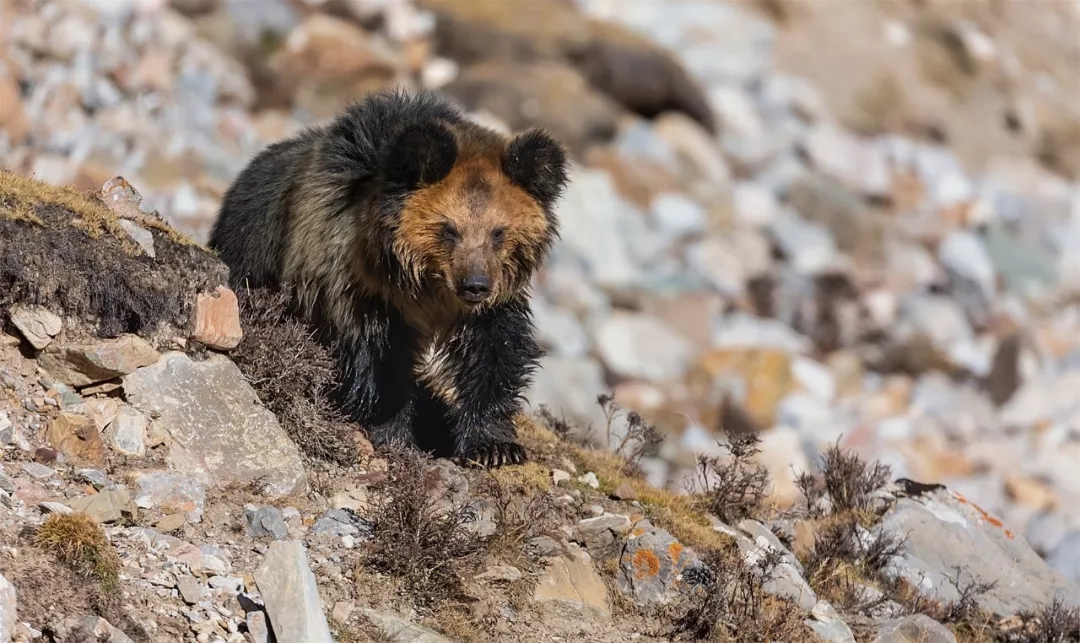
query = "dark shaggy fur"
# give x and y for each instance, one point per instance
(409, 236)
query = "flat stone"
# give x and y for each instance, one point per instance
(943, 530)
(601, 531)
(85, 364)
(128, 431)
(169, 491)
(289, 590)
(265, 521)
(39, 471)
(624, 491)
(787, 580)
(221, 434)
(916, 628)
(121, 197)
(36, 324)
(191, 590)
(171, 522)
(76, 436)
(342, 610)
(109, 505)
(574, 584)
(400, 630)
(343, 522)
(216, 320)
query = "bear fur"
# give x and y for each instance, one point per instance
(408, 237)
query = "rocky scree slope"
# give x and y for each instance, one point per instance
(173, 472)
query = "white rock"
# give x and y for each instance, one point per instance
(291, 595)
(964, 253)
(558, 476)
(128, 430)
(736, 112)
(755, 204)
(7, 609)
(814, 376)
(728, 261)
(36, 324)
(677, 215)
(859, 164)
(590, 480)
(140, 235)
(640, 346)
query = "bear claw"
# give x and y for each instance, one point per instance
(495, 455)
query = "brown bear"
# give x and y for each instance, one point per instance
(408, 237)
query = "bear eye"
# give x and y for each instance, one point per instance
(450, 233)
(497, 235)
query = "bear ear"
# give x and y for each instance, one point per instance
(419, 155)
(537, 162)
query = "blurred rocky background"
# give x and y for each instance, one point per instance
(830, 222)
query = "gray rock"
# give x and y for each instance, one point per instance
(726, 262)
(257, 626)
(343, 522)
(36, 324)
(601, 531)
(140, 235)
(640, 346)
(858, 164)
(1065, 558)
(677, 215)
(558, 330)
(6, 483)
(944, 531)
(755, 204)
(964, 253)
(39, 471)
(808, 246)
(400, 630)
(8, 612)
(191, 590)
(85, 364)
(786, 579)
(291, 595)
(265, 521)
(220, 432)
(593, 216)
(95, 477)
(827, 624)
(740, 330)
(916, 628)
(507, 573)
(568, 388)
(128, 431)
(161, 489)
(656, 569)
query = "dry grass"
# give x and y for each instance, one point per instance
(21, 198)
(80, 542)
(293, 375)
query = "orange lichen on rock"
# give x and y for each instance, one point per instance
(646, 564)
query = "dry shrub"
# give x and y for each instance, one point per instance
(641, 438)
(80, 542)
(418, 537)
(1052, 623)
(520, 512)
(844, 483)
(734, 487)
(293, 374)
(731, 604)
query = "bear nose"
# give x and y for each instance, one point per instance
(476, 287)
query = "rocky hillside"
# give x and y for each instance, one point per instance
(149, 492)
(849, 225)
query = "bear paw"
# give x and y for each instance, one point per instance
(494, 455)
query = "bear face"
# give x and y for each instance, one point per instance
(477, 213)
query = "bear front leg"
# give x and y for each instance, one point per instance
(488, 366)
(376, 387)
